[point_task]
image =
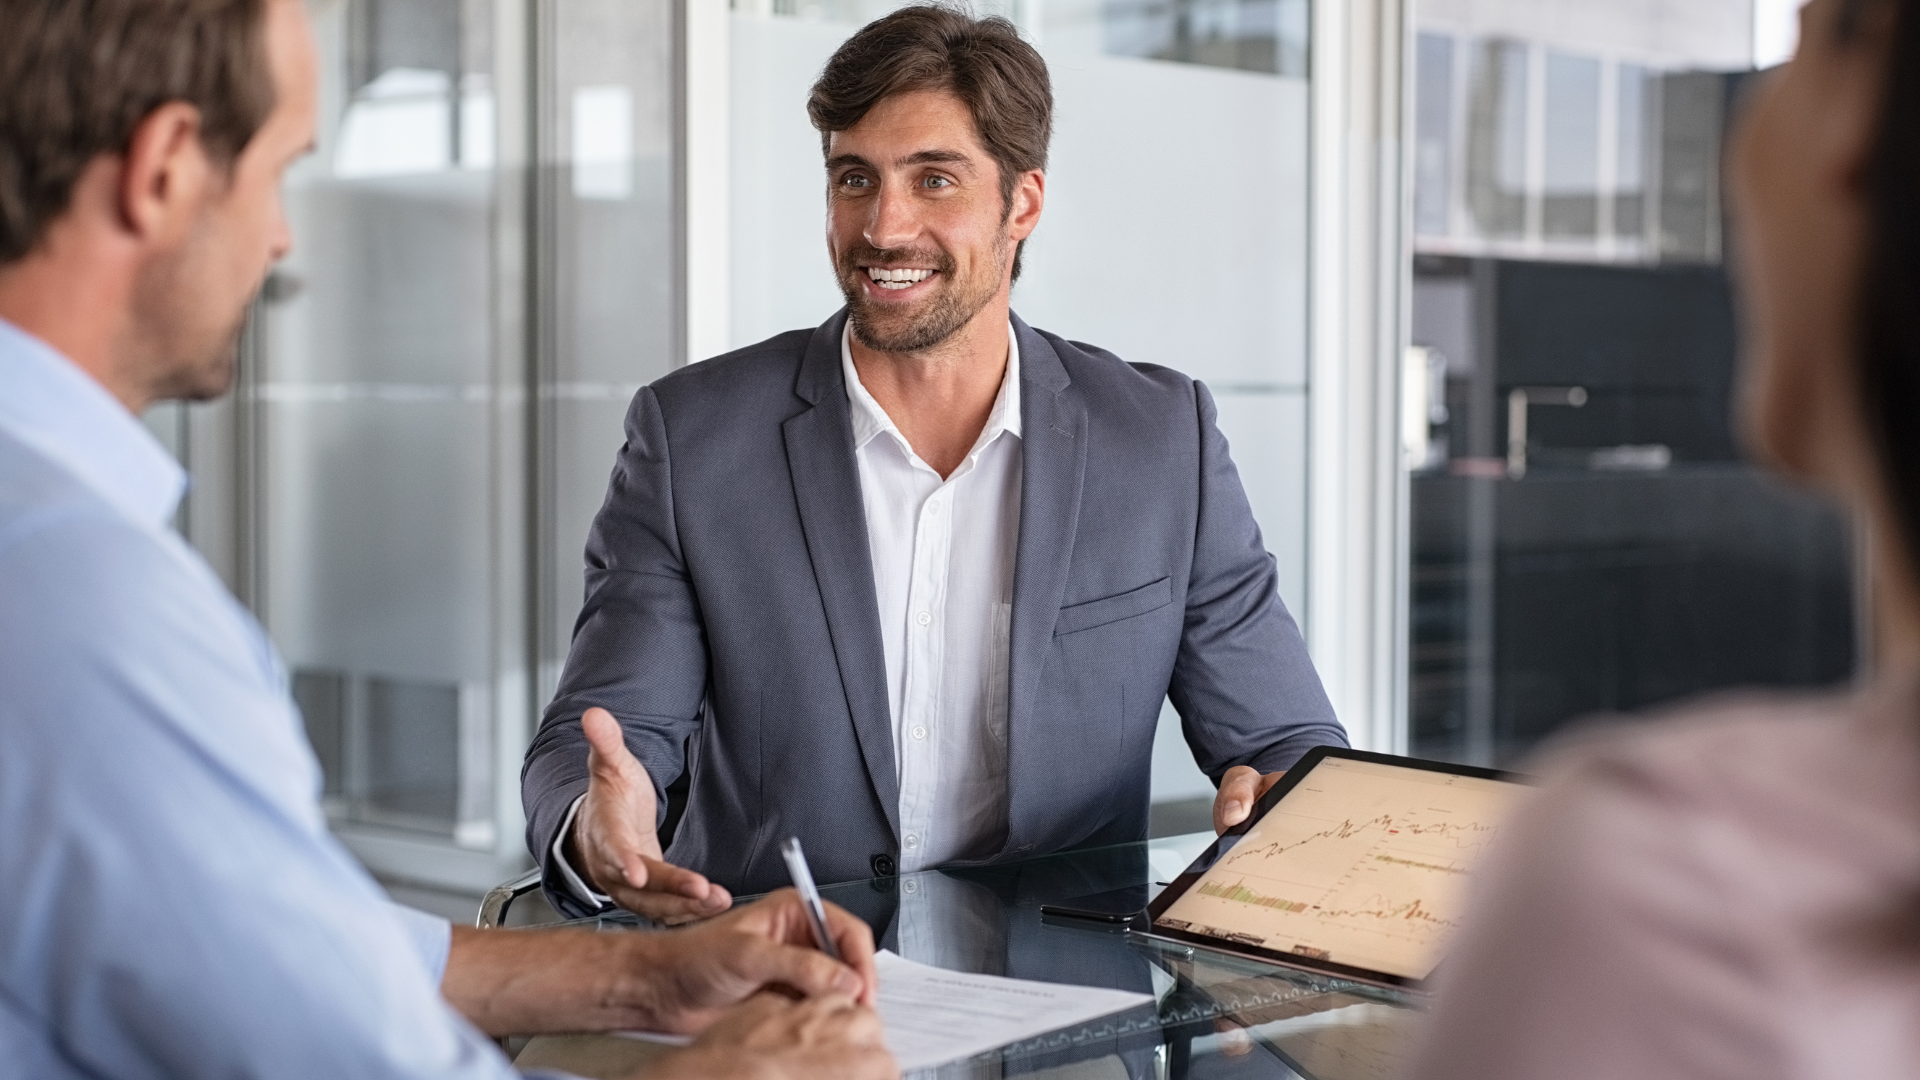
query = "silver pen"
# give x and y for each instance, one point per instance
(809, 894)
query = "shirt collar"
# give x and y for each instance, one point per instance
(60, 411)
(869, 419)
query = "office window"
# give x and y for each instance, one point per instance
(1433, 135)
(1497, 138)
(1570, 187)
(1252, 35)
(1585, 535)
(1630, 157)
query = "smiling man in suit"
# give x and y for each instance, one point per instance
(913, 584)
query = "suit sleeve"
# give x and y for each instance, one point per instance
(639, 648)
(1243, 684)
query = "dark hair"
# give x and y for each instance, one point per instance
(1889, 346)
(925, 47)
(78, 76)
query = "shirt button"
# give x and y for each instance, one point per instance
(911, 841)
(933, 507)
(911, 887)
(923, 618)
(919, 731)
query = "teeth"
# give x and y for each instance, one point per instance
(897, 279)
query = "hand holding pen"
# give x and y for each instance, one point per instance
(769, 943)
(802, 876)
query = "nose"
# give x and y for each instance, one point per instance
(279, 235)
(895, 221)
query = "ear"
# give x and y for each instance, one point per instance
(1029, 196)
(165, 175)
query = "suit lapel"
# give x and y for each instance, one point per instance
(1053, 458)
(826, 486)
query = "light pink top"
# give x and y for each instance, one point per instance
(1730, 892)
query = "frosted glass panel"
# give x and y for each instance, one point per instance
(612, 292)
(375, 421)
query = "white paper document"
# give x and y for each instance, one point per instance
(933, 1016)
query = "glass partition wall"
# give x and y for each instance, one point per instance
(431, 392)
(374, 408)
(1585, 536)
(607, 284)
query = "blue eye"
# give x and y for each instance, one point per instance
(937, 181)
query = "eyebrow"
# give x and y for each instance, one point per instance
(919, 157)
(937, 157)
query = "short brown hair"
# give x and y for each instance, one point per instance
(78, 76)
(984, 62)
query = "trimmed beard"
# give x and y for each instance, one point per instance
(932, 321)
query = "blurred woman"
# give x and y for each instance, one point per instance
(1735, 892)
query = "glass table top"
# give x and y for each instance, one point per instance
(1213, 1015)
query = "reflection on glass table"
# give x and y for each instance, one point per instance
(1213, 1015)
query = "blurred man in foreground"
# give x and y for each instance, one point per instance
(171, 903)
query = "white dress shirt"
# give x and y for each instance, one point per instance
(943, 558)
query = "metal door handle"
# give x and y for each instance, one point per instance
(1517, 401)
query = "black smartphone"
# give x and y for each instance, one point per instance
(1113, 906)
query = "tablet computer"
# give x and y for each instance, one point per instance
(1353, 865)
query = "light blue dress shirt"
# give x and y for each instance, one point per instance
(171, 903)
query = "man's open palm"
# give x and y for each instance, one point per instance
(614, 843)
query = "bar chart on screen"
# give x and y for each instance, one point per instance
(1361, 864)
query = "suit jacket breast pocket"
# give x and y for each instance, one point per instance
(1111, 609)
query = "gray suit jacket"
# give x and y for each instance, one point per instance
(731, 625)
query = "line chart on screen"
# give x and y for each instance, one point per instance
(1360, 864)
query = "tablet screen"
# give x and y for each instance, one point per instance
(1361, 864)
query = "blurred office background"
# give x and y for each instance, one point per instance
(1585, 536)
(1399, 241)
